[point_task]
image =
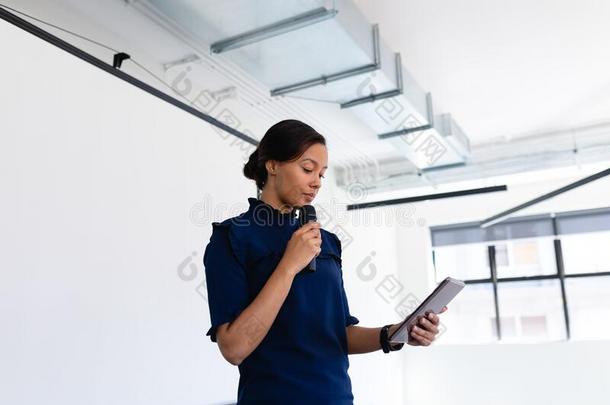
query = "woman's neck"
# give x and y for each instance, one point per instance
(273, 200)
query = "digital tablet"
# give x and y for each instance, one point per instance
(440, 297)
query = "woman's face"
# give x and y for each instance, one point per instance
(297, 183)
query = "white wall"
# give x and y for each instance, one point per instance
(370, 257)
(98, 183)
(545, 374)
(102, 211)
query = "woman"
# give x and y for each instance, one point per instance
(287, 329)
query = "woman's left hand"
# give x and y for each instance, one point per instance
(425, 330)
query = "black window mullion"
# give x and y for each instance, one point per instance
(577, 275)
(491, 253)
(561, 273)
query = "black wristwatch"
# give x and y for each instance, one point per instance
(385, 342)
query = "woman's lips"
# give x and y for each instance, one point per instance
(309, 196)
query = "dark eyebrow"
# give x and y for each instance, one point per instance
(314, 162)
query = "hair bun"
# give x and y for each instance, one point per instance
(251, 165)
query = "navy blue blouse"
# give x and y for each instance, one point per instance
(303, 358)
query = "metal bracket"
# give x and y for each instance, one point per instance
(404, 131)
(381, 96)
(117, 60)
(277, 28)
(226, 93)
(183, 61)
(442, 167)
(430, 109)
(324, 79)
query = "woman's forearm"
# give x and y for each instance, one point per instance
(245, 333)
(364, 340)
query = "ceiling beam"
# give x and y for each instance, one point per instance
(494, 219)
(451, 194)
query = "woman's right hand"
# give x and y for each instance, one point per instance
(304, 244)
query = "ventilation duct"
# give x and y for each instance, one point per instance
(326, 51)
(571, 147)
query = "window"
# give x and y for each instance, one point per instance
(531, 311)
(547, 277)
(589, 307)
(471, 318)
(525, 257)
(586, 252)
(462, 262)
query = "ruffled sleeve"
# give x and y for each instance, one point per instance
(349, 319)
(225, 277)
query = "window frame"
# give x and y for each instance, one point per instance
(559, 274)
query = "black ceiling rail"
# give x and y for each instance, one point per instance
(507, 213)
(79, 53)
(437, 196)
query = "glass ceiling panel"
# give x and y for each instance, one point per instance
(320, 49)
(312, 51)
(213, 20)
(354, 87)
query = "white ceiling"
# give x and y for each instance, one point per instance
(504, 68)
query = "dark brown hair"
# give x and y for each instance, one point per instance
(284, 142)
